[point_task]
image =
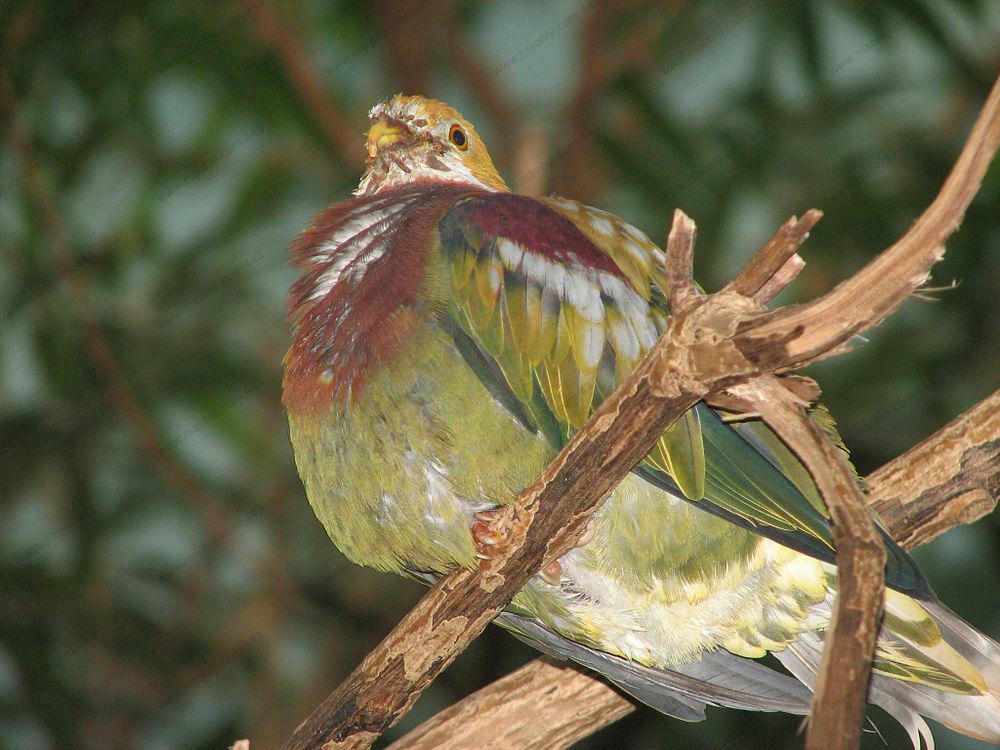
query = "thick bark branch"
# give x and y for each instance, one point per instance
(951, 478)
(841, 689)
(717, 342)
(541, 706)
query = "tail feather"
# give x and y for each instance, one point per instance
(950, 672)
(802, 657)
(928, 663)
(980, 650)
(978, 714)
(718, 678)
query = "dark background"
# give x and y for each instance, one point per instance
(163, 583)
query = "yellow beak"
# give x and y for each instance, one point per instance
(382, 134)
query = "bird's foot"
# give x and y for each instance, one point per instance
(588, 533)
(552, 572)
(484, 536)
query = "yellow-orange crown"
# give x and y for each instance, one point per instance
(413, 138)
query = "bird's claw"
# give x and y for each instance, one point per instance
(551, 573)
(588, 532)
(485, 537)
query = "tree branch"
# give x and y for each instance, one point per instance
(719, 341)
(952, 477)
(678, 279)
(120, 393)
(543, 705)
(841, 689)
(778, 258)
(290, 50)
(864, 300)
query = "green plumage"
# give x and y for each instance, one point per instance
(501, 368)
(486, 334)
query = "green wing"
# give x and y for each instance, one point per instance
(554, 303)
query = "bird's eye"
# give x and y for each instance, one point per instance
(457, 136)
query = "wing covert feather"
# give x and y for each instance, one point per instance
(566, 300)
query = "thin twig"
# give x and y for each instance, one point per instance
(777, 255)
(290, 50)
(119, 391)
(679, 283)
(781, 279)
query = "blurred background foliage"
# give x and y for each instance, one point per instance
(164, 582)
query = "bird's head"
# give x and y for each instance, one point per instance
(413, 139)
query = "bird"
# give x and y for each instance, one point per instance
(449, 336)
